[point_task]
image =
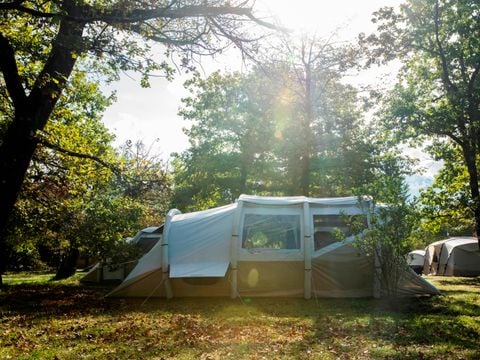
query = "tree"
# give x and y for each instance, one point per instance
(71, 203)
(56, 183)
(387, 237)
(438, 93)
(445, 205)
(322, 131)
(231, 140)
(393, 220)
(65, 31)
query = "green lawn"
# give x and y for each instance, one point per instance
(42, 319)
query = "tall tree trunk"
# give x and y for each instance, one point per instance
(68, 263)
(305, 174)
(31, 113)
(470, 160)
(306, 129)
(243, 176)
(16, 152)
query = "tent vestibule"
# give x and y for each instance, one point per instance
(144, 240)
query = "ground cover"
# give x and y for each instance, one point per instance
(42, 319)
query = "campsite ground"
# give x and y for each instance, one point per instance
(42, 319)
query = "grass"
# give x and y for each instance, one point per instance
(43, 319)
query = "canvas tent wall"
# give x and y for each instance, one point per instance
(145, 240)
(459, 257)
(261, 246)
(432, 256)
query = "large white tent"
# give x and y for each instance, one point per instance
(262, 246)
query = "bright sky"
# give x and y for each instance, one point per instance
(151, 114)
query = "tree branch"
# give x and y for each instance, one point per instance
(47, 144)
(57, 69)
(138, 15)
(9, 69)
(16, 5)
(445, 73)
(473, 78)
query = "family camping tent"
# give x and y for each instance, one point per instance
(262, 246)
(144, 240)
(456, 256)
(415, 260)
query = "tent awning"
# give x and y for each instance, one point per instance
(199, 269)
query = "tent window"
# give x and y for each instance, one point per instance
(325, 227)
(271, 232)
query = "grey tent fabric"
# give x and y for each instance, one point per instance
(456, 256)
(460, 257)
(416, 260)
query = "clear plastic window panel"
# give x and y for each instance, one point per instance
(326, 228)
(271, 232)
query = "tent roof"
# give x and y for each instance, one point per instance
(198, 215)
(417, 252)
(152, 229)
(460, 241)
(294, 200)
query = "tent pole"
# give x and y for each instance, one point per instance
(234, 249)
(307, 245)
(165, 258)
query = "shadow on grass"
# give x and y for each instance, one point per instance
(411, 328)
(39, 300)
(458, 281)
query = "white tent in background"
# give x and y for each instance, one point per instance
(145, 240)
(415, 260)
(432, 255)
(459, 257)
(262, 246)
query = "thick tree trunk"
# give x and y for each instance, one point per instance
(16, 152)
(470, 160)
(31, 113)
(305, 177)
(306, 129)
(68, 264)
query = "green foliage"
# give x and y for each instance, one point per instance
(71, 203)
(446, 206)
(438, 92)
(44, 43)
(251, 133)
(387, 239)
(323, 133)
(393, 221)
(231, 137)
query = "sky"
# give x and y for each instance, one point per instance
(150, 114)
